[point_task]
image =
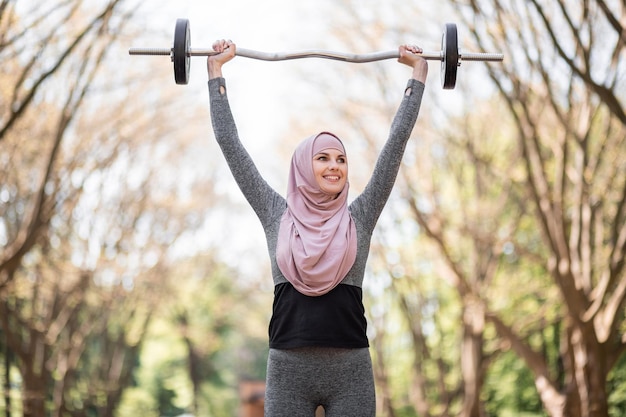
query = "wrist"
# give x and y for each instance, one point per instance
(214, 69)
(420, 71)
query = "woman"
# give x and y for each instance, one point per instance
(318, 247)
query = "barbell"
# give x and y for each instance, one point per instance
(449, 56)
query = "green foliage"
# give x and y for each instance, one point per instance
(205, 337)
(138, 401)
(616, 388)
(406, 411)
(509, 389)
(417, 301)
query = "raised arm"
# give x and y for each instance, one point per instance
(374, 197)
(257, 192)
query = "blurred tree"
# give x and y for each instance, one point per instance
(577, 191)
(223, 323)
(91, 208)
(209, 334)
(461, 190)
(415, 329)
(562, 83)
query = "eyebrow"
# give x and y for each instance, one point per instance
(327, 154)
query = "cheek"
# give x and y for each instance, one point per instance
(317, 169)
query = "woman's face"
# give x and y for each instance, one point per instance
(330, 167)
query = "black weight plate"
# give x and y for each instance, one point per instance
(180, 57)
(450, 63)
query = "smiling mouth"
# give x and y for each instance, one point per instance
(331, 178)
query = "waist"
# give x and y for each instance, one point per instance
(333, 320)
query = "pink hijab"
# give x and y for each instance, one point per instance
(317, 238)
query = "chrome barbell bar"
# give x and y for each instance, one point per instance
(449, 56)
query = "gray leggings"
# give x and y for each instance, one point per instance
(340, 380)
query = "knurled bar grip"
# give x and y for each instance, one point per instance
(315, 53)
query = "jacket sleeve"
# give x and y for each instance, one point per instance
(372, 200)
(259, 194)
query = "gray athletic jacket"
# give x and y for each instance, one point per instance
(335, 319)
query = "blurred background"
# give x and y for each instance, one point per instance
(133, 275)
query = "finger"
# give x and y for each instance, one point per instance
(415, 49)
(221, 45)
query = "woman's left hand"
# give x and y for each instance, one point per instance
(411, 55)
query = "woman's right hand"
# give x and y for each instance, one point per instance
(226, 51)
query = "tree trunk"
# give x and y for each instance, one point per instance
(382, 379)
(471, 359)
(588, 397)
(34, 394)
(7, 379)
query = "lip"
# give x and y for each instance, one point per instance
(332, 178)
